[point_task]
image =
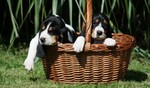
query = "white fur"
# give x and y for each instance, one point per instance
(29, 61)
(79, 44)
(70, 27)
(99, 28)
(44, 34)
(33, 47)
(109, 42)
(80, 41)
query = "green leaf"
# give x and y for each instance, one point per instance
(54, 6)
(14, 23)
(70, 11)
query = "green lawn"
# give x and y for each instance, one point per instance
(13, 75)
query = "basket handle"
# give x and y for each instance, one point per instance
(88, 24)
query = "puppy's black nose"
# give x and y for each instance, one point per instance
(42, 39)
(99, 32)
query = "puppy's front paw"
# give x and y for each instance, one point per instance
(29, 64)
(79, 44)
(110, 42)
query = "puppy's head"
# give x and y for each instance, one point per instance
(50, 31)
(100, 27)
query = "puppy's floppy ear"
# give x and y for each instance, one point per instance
(109, 31)
(63, 33)
(40, 51)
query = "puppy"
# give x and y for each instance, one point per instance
(52, 31)
(101, 33)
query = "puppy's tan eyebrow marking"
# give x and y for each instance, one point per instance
(105, 21)
(43, 27)
(97, 20)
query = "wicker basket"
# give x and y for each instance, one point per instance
(97, 64)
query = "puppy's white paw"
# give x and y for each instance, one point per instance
(29, 64)
(79, 44)
(110, 42)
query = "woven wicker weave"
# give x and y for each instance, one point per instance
(97, 64)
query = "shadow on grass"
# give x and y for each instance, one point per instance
(135, 76)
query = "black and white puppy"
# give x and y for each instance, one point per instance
(53, 30)
(101, 33)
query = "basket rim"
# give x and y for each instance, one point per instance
(120, 46)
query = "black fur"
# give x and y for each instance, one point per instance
(105, 25)
(59, 28)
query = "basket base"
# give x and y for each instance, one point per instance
(90, 67)
(82, 82)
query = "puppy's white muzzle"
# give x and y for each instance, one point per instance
(99, 33)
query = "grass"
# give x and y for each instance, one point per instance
(13, 75)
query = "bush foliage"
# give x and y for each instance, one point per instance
(20, 19)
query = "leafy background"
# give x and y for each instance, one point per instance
(20, 19)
